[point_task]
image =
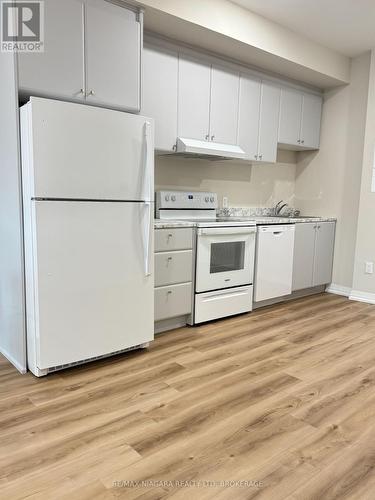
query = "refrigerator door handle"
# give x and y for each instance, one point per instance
(147, 237)
(148, 165)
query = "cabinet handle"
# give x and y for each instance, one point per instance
(169, 259)
(91, 92)
(81, 91)
(212, 137)
(299, 141)
(318, 227)
(260, 157)
(207, 137)
(169, 292)
(170, 235)
(256, 157)
(303, 142)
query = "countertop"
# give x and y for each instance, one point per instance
(165, 224)
(259, 221)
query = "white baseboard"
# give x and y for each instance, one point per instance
(14, 362)
(345, 291)
(359, 296)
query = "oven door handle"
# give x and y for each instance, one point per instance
(213, 231)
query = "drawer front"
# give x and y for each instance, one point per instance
(173, 239)
(172, 301)
(173, 267)
(223, 303)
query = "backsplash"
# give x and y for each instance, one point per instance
(244, 185)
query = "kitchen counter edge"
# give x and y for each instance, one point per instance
(259, 221)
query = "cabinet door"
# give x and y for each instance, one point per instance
(160, 74)
(269, 122)
(224, 105)
(303, 260)
(290, 117)
(325, 239)
(194, 81)
(113, 49)
(248, 122)
(59, 70)
(311, 114)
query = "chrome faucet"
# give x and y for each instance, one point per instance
(279, 206)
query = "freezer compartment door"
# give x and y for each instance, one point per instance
(94, 290)
(82, 152)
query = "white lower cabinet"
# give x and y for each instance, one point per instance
(173, 273)
(323, 257)
(173, 267)
(304, 248)
(313, 254)
(173, 239)
(172, 301)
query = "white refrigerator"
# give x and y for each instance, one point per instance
(88, 209)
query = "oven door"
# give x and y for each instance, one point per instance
(225, 257)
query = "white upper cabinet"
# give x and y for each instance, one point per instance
(160, 79)
(194, 85)
(249, 113)
(194, 96)
(59, 70)
(300, 114)
(269, 122)
(311, 116)
(224, 105)
(258, 119)
(290, 117)
(113, 55)
(92, 53)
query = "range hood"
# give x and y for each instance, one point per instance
(209, 150)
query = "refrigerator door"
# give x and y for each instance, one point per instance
(92, 283)
(76, 151)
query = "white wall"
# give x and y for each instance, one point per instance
(12, 313)
(364, 284)
(243, 184)
(328, 180)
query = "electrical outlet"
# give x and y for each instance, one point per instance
(369, 267)
(225, 202)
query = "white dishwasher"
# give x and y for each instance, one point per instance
(274, 261)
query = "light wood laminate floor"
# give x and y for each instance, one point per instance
(281, 402)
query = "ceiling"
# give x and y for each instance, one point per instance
(347, 26)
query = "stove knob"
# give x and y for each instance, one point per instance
(212, 199)
(207, 199)
(167, 197)
(173, 198)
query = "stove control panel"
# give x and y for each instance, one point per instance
(185, 200)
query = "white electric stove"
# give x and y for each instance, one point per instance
(225, 252)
